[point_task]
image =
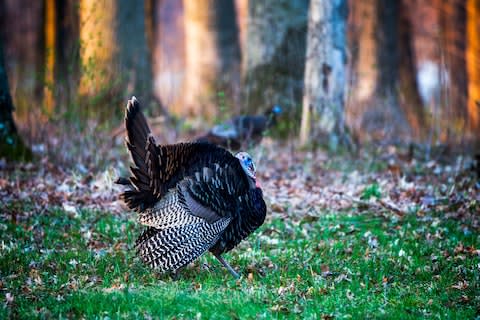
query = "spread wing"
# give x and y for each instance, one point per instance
(190, 218)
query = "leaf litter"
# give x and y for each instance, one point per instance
(299, 188)
(297, 184)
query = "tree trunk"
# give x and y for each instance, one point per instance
(98, 47)
(385, 98)
(424, 16)
(363, 24)
(133, 54)
(473, 66)
(453, 34)
(274, 64)
(11, 145)
(51, 38)
(388, 50)
(408, 93)
(67, 51)
(212, 56)
(241, 7)
(22, 30)
(114, 52)
(169, 53)
(325, 72)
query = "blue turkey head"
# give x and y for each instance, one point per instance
(276, 109)
(247, 164)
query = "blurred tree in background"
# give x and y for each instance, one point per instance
(453, 47)
(114, 52)
(66, 27)
(325, 72)
(274, 57)
(385, 99)
(212, 54)
(168, 52)
(22, 25)
(11, 145)
(473, 63)
(395, 71)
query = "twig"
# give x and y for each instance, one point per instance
(392, 207)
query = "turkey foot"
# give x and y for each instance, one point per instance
(226, 265)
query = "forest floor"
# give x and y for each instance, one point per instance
(376, 235)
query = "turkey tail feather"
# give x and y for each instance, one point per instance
(138, 137)
(137, 132)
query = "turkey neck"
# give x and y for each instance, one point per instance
(251, 183)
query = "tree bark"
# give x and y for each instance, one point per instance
(388, 50)
(424, 16)
(325, 72)
(241, 8)
(408, 93)
(67, 51)
(114, 52)
(168, 56)
(385, 98)
(453, 37)
(98, 47)
(274, 63)
(22, 30)
(363, 26)
(50, 37)
(473, 66)
(134, 55)
(11, 145)
(212, 56)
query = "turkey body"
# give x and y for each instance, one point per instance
(242, 131)
(192, 197)
(248, 219)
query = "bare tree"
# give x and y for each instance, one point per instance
(325, 72)
(134, 55)
(385, 99)
(22, 30)
(473, 65)
(212, 55)
(363, 24)
(67, 50)
(11, 145)
(168, 53)
(408, 93)
(274, 57)
(453, 44)
(114, 51)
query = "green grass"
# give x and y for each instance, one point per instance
(58, 264)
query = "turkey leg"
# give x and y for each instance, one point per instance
(226, 265)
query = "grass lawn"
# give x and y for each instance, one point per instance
(58, 264)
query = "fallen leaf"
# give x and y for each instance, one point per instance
(9, 298)
(460, 285)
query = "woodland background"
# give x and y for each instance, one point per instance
(370, 175)
(394, 71)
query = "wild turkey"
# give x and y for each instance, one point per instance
(192, 197)
(242, 131)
